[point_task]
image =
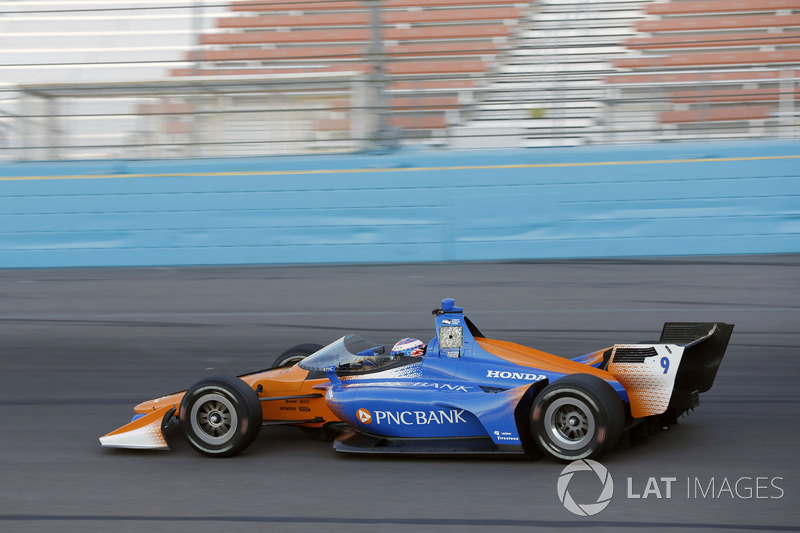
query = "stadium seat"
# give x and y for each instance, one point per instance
(438, 46)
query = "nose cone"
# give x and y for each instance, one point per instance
(142, 433)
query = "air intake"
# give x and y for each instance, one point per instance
(633, 355)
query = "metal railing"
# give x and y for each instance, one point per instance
(302, 114)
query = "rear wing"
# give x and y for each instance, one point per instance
(704, 346)
(671, 373)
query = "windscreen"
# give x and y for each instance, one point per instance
(346, 353)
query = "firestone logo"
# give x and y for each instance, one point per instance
(586, 509)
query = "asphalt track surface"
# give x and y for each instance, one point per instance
(81, 346)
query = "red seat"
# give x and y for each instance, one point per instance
(435, 122)
(296, 21)
(700, 77)
(303, 20)
(711, 59)
(422, 51)
(289, 5)
(732, 95)
(355, 35)
(435, 67)
(715, 115)
(717, 40)
(429, 84)
(265, 54)
(451, 15)
(718, 23)
(424, 102)
(725, 6)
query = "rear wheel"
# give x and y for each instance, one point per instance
(576, 417)
(295, 354)
(220, 416)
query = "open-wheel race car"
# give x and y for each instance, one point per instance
(462, 393)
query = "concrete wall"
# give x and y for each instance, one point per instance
(408, 206)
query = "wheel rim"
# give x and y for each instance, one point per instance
(214, 419)
(570, 423)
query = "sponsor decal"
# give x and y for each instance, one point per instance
(526, 376)
(505, 435)
(419, 418)
(451, 321)
(414, 370)
(442, 386)
(364, 416)
(416, 385)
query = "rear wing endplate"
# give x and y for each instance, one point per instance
(704, 346)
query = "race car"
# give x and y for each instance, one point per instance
(461, 393)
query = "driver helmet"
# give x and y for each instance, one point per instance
(408, 347)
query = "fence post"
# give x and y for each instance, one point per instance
(786, 104)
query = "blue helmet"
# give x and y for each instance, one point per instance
(409, 347)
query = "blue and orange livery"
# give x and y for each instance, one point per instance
(468, 394)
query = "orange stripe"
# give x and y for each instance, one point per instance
(524, 356)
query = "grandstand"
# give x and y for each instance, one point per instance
(632, 71)
(550, 91)
(723, 68)
(461, 74)
(480, 73)
(423, 59)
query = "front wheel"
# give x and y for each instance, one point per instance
(220, 416)
(576, 417)
(295, 354)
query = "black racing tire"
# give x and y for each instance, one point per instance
(220, 416)
(295, 354)
(576, 417)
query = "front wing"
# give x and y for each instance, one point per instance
(144, 432)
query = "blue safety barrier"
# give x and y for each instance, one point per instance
(666, 200)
